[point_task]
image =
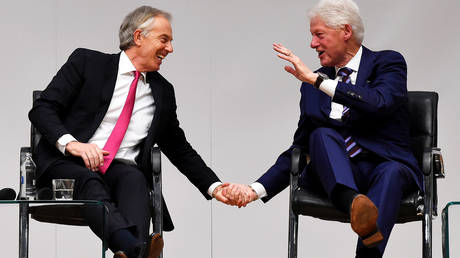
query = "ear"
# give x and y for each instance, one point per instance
(137, 35)
(348, 32)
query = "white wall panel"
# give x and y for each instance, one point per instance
(237, 105)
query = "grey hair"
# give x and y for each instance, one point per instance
(337, 13)
(142, 18)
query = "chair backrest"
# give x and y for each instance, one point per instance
(423, 117)
(35, 135)
(422, 107)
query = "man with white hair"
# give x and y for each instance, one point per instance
(100, 116)
(353, 125)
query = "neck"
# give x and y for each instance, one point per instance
(350, 52)
(134, 58)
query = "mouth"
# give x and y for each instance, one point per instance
(160, 57)
(320, 53)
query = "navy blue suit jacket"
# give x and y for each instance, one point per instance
(378, 118)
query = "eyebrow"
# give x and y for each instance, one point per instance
(166, 36)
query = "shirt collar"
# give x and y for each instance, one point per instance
(354, 62)
(126, 67)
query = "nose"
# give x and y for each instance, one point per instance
(314, 42)
(169, 47)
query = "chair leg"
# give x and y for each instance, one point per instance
(427, 218)
(293, 217)
(293, 220)
(157, 199)
(23, 230)
(445, 232)
(293, 230)
(427, 236)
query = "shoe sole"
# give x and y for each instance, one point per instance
(120, 255)
(363, 220)
(156, 246)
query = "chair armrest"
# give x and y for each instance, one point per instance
(433, 163)
(438, 164)
(296, 156)
(155, 156)
(155, 194)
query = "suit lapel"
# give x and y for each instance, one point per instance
(156, 89)
(365, 67)
(109, 78)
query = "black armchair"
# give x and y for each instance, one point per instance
(72, 214)
(414, 206)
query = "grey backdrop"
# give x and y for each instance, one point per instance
(237, 106)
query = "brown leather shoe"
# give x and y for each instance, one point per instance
(363, 219)
(153, 246)
(120, 254)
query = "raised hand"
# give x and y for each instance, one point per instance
(300, 70)
(239, 194)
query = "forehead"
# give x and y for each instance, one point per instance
(316, 23)
(161, 27)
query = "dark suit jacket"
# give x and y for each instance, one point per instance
(77, 99)
(378, 119)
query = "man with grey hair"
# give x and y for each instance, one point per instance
(100, 116)
(353, 125)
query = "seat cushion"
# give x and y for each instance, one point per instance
(66, 214)
(318, 205)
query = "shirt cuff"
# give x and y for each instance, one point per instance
(213, 187)
(62, 142)
(328, 87)
(259, 189)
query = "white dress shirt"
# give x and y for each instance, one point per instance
(141, 117)
(327, 86)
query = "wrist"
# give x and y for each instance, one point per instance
(320, 77)
(254, 195)
(71, 144)
(216, 190)
(313, 79)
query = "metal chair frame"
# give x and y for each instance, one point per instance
(47, 213)
(423, 206)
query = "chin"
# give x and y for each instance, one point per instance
(326, 62)
(154, 68)
(323, 63)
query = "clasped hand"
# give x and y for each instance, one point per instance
(235, 194)
(89, 152)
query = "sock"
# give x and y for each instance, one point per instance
(123, 240)
(342, 197)
(368, 253)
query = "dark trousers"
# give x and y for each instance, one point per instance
(123, 188)
(383, 181)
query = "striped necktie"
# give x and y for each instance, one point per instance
(352, 147)
(345, 73)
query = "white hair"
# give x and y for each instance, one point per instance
(141, 18)
(337, 13)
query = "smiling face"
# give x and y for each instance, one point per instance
(151, 47)
(330, 43)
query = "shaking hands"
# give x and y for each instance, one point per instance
(235, 194)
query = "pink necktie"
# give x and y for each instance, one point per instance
(113, 143)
